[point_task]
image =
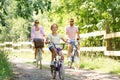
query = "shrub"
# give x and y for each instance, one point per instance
(5, 66)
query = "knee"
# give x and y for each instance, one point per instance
(53, 51)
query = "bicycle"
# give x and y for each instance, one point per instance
(39, 43)
(58, 64)
(74, 59)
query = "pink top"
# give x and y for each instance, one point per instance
(37, 34)
(71, 32)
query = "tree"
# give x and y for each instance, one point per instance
(11, 12)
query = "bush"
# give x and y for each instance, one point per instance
(5, 66)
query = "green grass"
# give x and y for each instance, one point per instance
(5, 66)
(93, 62)
(29, 56)
(100, 63)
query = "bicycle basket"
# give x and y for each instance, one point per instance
(38, 43)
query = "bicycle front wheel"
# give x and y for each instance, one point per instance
(70, 63)
(53, 72)
(77, 63)
(39, 58)
(61, 72)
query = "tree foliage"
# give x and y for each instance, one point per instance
(20, 12)
(26, 8)
(89, 15)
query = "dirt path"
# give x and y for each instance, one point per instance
(27, 71)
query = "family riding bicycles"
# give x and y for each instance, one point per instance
(53, 39)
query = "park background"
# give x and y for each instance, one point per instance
(17, 17)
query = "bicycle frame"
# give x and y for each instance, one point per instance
(39, 52)
(73, 52)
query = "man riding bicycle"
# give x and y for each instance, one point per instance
(71, 33)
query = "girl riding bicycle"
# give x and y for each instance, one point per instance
(55, 38)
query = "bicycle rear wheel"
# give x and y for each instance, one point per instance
(61, 72)
(53, 72)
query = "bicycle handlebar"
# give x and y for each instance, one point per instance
(63, 44)
(74, 43)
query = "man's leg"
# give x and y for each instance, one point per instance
(69, 51)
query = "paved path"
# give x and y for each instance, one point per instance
(27, 71)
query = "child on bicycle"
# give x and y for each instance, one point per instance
(55, 38)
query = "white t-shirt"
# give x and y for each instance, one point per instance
(55, 39)
(37, 34)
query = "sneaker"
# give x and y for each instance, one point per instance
(51, 63)
(34, 61)
(69, 59)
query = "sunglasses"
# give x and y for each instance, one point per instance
(71, 21)
(36, 22)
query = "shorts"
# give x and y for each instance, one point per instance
(58, 49)
(73, 42)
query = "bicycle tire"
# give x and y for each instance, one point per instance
(70, 63)
(76, 61)
(53, 72)
(39, 58)
(61, 72)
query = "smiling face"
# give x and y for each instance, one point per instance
(54, 28)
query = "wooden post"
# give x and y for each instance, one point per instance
(108, 43)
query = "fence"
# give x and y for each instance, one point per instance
(28, 46)
(101, 48)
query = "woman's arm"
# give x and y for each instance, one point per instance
(32, 33)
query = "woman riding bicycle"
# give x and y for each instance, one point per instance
(37, 33)
(55, 38)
